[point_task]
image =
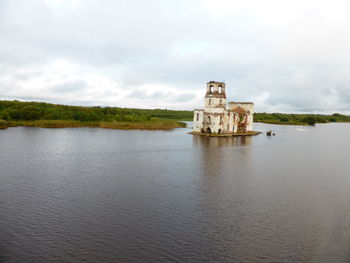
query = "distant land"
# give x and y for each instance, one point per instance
(299, 119)
(46, 115)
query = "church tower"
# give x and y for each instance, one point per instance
(215, 96)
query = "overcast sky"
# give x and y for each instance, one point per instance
(284, 55)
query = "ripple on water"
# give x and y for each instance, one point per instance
(94, 195)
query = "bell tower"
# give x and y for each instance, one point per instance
(215, 97)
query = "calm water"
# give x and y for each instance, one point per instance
(96, 195)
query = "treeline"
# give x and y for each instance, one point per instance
(299, 119)
(33, 111)
(16, 113)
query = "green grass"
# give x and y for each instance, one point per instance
(299, 119)
(46, 115)
(3, 124)
(147, 125)
(150, 125)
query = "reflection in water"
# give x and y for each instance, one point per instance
(92, 195)
(222, 141)
(224, 181)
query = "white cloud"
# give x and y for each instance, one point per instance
(283, 55)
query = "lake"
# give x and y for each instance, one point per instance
(99, 195)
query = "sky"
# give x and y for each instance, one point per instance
(283, 55)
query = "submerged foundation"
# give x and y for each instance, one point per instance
(237, 134)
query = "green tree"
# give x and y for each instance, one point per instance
(311, 120)
(14, 114)
(284, 119)
(30, 113)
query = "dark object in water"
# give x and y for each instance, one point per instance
(269, 133)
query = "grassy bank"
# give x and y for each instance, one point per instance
(3, 124)
(299, 119)
(46, 115)
(150, 125)
(16, 113)
(147, 125)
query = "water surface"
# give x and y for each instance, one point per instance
(98, 195)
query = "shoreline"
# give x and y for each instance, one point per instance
(286, 123)
(298, 123)
(56, 124)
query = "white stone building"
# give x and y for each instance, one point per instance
(219, 117)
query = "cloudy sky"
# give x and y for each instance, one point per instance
(284, 55)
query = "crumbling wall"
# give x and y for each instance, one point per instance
(248, 108)
(198, 120)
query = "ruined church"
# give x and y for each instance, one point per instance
(219, 117)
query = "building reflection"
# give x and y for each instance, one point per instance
(216, 156)
(222, 141)
(224, 177)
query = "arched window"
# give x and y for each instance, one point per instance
(220, 102)
(220, 89)
(220, 119)
(209, 119)
(209, 103)
(211, 89)
(197, 116)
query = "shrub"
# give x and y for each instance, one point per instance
(310, 120)
(3, 124)
(284, 119)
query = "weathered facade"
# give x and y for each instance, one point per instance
(220, 117)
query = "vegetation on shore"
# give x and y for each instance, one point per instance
(3, 124)
(299, 119)
(155, 124)
(36, 114)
